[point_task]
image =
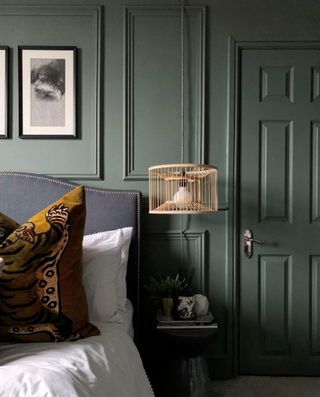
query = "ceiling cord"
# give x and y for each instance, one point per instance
(182, 81)
(182, 119)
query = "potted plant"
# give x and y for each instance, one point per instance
(165, 290)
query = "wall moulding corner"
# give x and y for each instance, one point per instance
(130, 148)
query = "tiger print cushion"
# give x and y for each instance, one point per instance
(7, 226)
(41, 292)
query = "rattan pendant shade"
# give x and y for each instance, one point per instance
(182, 189)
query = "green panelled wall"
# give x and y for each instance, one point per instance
(129, 114)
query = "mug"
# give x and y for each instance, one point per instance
(185, 307)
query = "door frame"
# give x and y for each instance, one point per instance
(235, 49)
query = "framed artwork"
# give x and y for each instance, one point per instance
(47, 92)
(4, 55)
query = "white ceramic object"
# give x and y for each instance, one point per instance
(201, 305)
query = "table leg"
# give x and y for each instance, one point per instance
(188, 377)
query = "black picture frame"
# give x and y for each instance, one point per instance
(47, 92)
(4, 94)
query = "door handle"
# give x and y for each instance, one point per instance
(248, 240)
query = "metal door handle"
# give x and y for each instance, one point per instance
(254, 240)
(248, 240)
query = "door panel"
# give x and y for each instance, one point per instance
(274, 298)
(315, 307)
(279, 202)
(315, 196)
(275, 177)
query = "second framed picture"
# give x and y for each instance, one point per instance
(47, 92)
(4, 51)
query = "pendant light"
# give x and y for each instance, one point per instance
(183, 188)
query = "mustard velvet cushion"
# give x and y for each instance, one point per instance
(41, 292)
(7, 226)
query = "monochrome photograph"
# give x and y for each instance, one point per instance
(3, 92)
(47, 92)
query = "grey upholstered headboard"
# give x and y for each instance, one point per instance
(24, 194)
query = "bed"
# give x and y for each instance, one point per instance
(103, 365)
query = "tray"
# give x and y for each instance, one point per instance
(205, 319)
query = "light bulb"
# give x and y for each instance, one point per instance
(182, 194)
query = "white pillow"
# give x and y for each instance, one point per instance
(107, 253)
(100, 273)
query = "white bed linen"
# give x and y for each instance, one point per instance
(107, 365)
(126, 320)
(126, 316)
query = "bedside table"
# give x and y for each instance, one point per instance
(187, 369)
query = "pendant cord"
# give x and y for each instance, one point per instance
(182, 81)
(182, 120)
(181, 243)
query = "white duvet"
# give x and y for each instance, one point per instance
(107, 365)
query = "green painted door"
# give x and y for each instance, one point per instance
(280, 203)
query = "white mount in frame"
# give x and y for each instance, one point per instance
(4, 70)
(47, 92)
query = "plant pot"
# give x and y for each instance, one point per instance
(167, 307)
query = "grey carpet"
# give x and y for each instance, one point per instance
(266, 386)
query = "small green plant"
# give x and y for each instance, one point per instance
(169, 286)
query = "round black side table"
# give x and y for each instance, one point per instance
(187, 371)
